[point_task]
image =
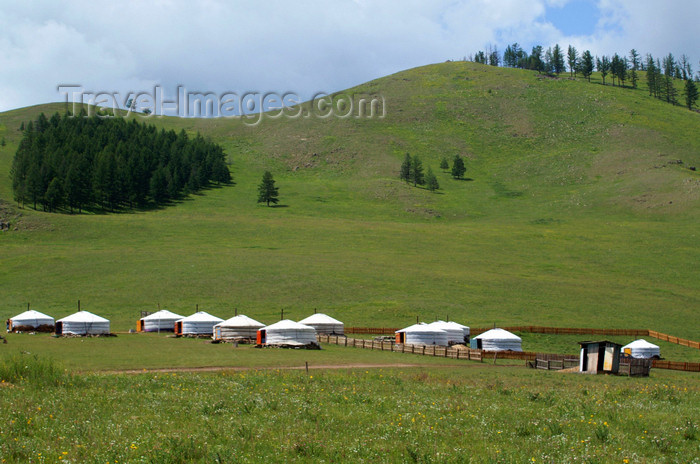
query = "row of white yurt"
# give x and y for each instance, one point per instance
(456, 333)
(499, 340)
(421, 334)
(160, 321)
(82, 323)
(324, 324)
(199, 323)
(237, 327)
(286, 332)
(641, 349)
(30, 319)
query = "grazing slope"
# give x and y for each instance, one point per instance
(577, 213)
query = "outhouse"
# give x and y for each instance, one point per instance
(598, 357)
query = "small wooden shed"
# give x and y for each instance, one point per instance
(600, 357)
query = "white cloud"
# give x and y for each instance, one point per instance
(304, 46)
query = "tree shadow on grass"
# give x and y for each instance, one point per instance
(279, 206)
(464, 179)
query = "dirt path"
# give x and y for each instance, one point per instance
(259, 368)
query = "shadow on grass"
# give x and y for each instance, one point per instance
(136, 208)
(279, 206)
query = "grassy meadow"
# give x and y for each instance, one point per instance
(478, 414)
(575, 213)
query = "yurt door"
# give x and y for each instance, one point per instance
(178, 328)
(261, 337)
(59, 328)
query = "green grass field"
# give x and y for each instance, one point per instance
(477, 414)
(576, 215)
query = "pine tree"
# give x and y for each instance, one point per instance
(431, 181)
(634, 67)
(587, 65)
(159, 186)
(535, 60)
(267, 192)
(405, 173)
(691, 93)
(417, 176)
(669, 90)
(458, 168)
(603, 65)
(651, 76)
(54, 194)
(2, 142)
(557, 60)
(444, 164)
(573, 59)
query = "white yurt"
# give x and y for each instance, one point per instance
(499, 340)
(456, 333)
(421, 334)
(199, 323)
(324, 324)
(160, 321)
(237, 327)
(31, 320)
(286, 332)
(82, 323)
(641, 349)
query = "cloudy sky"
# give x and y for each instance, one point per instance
(302, 46)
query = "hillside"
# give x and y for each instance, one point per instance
(577, 213)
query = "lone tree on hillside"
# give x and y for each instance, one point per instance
(267, 192)
(444, 164)
(405, 173)
(458, 168)
(417, 176)
(431, 181)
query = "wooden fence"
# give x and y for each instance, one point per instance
(424, 350)
(554, 362)
(635, 367)
(371, 330)
(676, 365)
(478, 355)
(672, 339)
(550, 330)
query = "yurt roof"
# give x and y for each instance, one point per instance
(288, 324)
(319, 318)
(420, 327)
(162, 314)
(498, 334)
(83, 316)
(31, 314)
(201, 316)
(641, 343)
(241, 321)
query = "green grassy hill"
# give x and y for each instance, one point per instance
(577, 214)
